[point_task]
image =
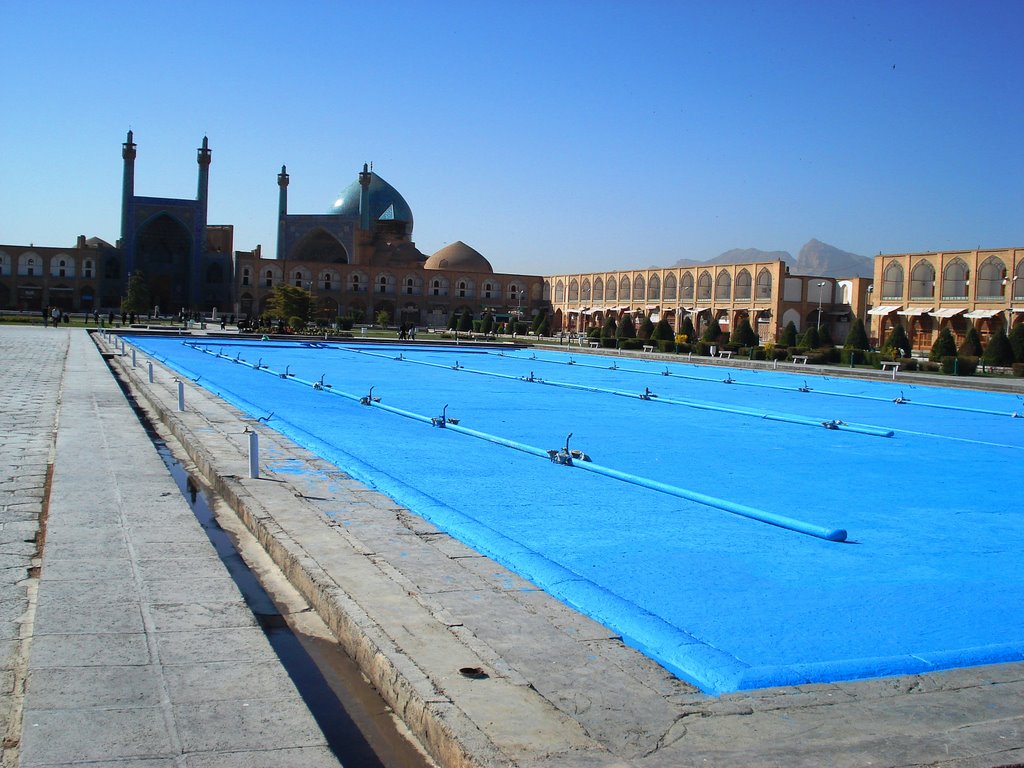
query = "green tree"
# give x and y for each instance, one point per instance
(466, 321)
(811, 339)
(944, 346)
(544, 327)
(539, 318)
(608, 331)
(687, 329)
(744, 335)
(1017, 342)
(662, 331)
(897, 341)
(453, 321)
(788, 338)
(998, 350)
(287, 301)
(972, 343)
(825, 336)
(626, 329)
(646, 329)
(857, 338)
(486, 323)
(383, 318)
(712, 332)
(137, 299)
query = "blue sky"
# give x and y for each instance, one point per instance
(550, 136)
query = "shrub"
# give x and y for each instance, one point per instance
(608, 332)
(687, 329)
(466, 321)
(646, 329)
(296, 323)
(998, 351)
(1018, 369)
(966, 366)
(625, 328)
(944, 345)
(857, 338)
(453, 321)
(544, 328)
(631, 343)
(948, 364)
(487, 323)
(712, 332)
(345, 323)
(825, 336)
(663, 331)
(788, 338)
(666, 346)
(811, 338)
(972, 344)
(897, 341)
(743, 335)
(1017, 342)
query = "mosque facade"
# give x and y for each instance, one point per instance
(357, 259)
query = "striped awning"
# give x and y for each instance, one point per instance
(914, 311)
(948, 311)
(884, 310)
(978, 314)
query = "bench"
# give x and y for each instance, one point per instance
(891, 365)
(725, 354)
(648, 348)
(800, 359)
(595, 344)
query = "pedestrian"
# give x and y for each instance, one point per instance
(55, 316)
(124, 319)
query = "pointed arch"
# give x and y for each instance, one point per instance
(922, 280)
(598, 289)
(320, 246)
(892, 281)
(723, 286)
(687, 287)
(743, 285)
(991, 273)
(704, 283)
(669, 291)
(654, 288)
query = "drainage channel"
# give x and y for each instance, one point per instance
(356, 722)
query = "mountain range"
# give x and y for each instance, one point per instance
(815, 258)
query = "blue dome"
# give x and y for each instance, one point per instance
(386, 204)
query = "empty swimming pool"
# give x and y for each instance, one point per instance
(742, 528)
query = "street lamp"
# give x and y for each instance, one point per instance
(821, 288)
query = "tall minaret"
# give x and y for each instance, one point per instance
(282, 210)
(204, 171)
(199, 233)
(127, 185)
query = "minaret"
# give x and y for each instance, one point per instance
(127, 185)
(364, 199)
(199, 233)
(282, 209)
(204, 171)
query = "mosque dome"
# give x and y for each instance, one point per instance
(386, 204)
(459, 257)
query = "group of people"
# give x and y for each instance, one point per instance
(407, 332)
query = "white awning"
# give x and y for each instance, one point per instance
(1017, 309)
(883, 310)
(914, 311)
(653, 306)
(948, 311)
(978, 314)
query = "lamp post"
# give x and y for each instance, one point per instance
(821, 288)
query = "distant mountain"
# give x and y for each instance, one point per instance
(816, 258)
(821, 259)
(740, 256)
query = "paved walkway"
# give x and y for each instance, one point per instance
(141, 650)
(141, 656)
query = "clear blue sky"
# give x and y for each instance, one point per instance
(550, 136)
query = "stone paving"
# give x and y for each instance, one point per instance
(414, 607)
(142, 651)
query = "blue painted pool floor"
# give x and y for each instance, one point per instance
(930, 576)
